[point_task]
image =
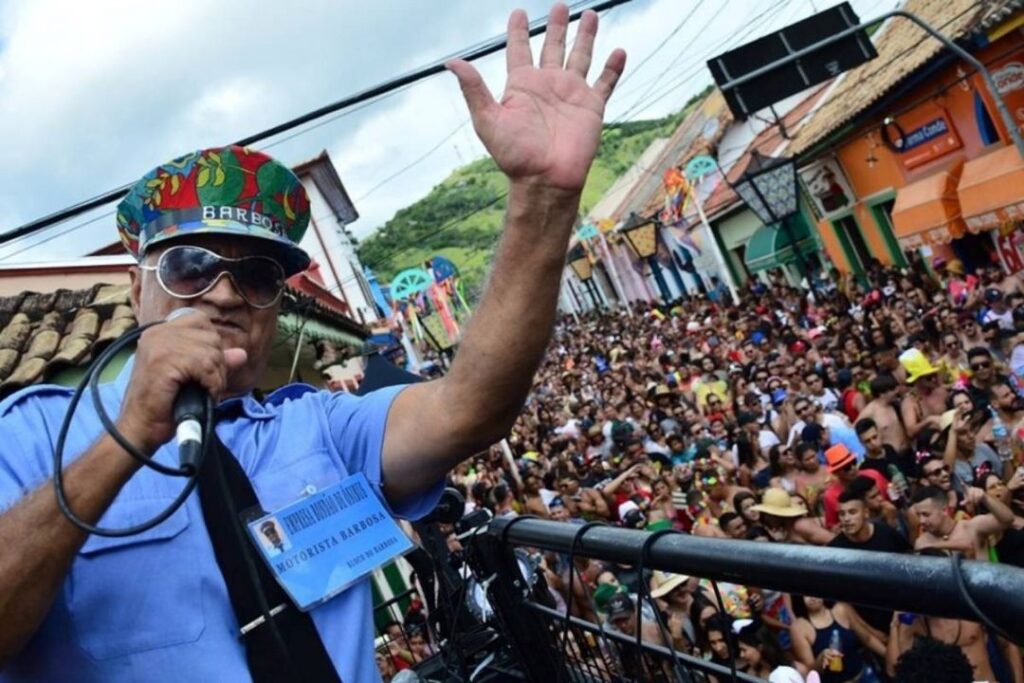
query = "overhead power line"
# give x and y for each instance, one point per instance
(482, 50)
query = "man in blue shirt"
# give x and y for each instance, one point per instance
(217, 231)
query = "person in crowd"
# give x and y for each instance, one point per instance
(812, 479)
(1006, 546)
(842, 465)
(925, 403)
(954, 363)
(759, 649)
(882, 412)
(983, 373)
(932, 661)
(786, 520)
(859, 532)
(878, 455)
(843, 421)
(968, 536)
(829, 638)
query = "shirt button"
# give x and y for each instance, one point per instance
(310, 489)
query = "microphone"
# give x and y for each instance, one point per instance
(189, 412)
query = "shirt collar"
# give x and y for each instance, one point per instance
(247, 404)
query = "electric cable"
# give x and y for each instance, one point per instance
(733, 645)
(961, 585)
(561, 642)
(482, 50)
(645, 594)
(188, 470)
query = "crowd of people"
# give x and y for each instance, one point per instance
(882, 414)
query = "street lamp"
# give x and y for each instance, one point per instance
(769, 186)
(580, 264)
(642, 235)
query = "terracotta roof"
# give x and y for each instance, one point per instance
(42, 333)
(903, 48)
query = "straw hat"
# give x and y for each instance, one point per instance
(666, 582)
(779, 503)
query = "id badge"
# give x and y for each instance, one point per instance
(323, 543)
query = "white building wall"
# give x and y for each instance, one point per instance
(339, 264)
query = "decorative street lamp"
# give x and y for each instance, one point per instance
(642, 235)
(580, 263)
(769, 186)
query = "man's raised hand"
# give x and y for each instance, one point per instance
(547, 126)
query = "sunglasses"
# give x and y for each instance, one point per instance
(187, 271)
(937, 470)
(981, 366)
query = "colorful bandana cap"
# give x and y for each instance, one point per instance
(223, 190)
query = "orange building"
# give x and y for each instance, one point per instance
(908, 159)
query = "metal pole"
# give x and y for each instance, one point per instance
(591, 288)
(568, 299)
(713, 246)
(1004, 111)
(613, 271)
(666, 295)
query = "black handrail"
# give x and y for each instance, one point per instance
(907, 583)
(692, 663)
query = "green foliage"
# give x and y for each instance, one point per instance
(450, 221)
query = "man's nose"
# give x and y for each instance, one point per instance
(224, 293)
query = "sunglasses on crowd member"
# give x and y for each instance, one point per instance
(186, 271)
(981, 365)
(936, 471)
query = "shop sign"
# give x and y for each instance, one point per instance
(827, 185)
(921, 136)
(1008, 74)
(1008, 248)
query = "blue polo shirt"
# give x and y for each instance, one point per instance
(154, 607)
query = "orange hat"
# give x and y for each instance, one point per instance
(838, 457)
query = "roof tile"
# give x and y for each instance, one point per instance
(902, 48)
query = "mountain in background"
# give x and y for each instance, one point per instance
(461, 218)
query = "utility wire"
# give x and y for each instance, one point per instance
(489, 47)
(772, 10)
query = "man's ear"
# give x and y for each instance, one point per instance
(135, 292)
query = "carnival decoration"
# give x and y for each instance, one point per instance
(430, 300)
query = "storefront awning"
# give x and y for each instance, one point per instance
(771, 247)
(991, 190)
(927, 212)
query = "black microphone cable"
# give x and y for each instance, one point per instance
(189, 470)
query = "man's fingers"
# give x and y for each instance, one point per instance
(478, 95)
(517, 52)
(235, 359)
(552, 55)
(605, 84)
(579, 58)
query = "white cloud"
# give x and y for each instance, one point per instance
(91, 96)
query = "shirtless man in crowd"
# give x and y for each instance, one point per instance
(968, 536)
(925, 404)
(882, 410)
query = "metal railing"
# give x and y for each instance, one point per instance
(586, 652)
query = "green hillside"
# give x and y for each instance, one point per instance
(457, 219)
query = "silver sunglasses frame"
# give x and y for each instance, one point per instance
(223, 273)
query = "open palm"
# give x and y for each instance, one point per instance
(547, 126)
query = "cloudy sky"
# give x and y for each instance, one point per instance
(92, 95)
